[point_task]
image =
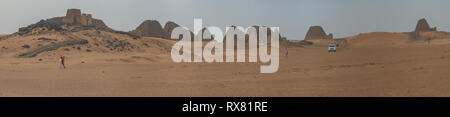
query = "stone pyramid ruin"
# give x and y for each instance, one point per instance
(422, 26)
(168, 28)
(150, 28)
(317, 33)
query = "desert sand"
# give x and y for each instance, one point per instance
(381, 64)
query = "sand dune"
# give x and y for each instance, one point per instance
(379, 39)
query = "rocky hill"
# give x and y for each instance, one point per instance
(75, 33)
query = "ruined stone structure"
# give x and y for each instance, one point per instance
(317, 32)
(71, 15)
(422, 26)
(74, 16)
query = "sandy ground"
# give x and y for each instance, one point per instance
(406, 69)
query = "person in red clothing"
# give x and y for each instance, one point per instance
(61, 62)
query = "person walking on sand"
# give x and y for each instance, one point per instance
(61, 62)
(286, 52)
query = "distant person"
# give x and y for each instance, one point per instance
(61, 62)
(286, 52)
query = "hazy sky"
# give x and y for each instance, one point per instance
(340, 17)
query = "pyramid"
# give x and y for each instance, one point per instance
(168, 28)
(317, 32)
(150, 28)
(422, 26)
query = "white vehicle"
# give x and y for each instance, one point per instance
(331, 48)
